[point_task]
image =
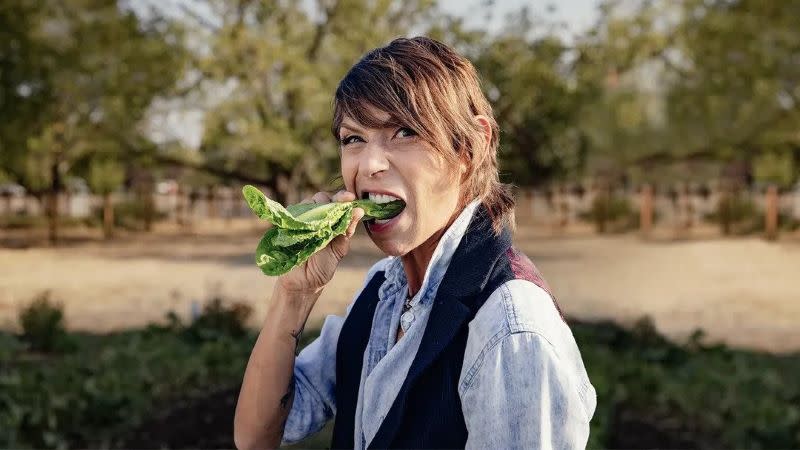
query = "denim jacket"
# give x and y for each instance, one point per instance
(522, 384)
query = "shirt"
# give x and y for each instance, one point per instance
(522, 384)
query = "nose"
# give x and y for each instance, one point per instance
(373, 160)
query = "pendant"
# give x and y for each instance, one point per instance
(406, 320)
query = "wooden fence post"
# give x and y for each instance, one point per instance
(646, 210)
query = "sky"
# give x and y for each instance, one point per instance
(576, 15)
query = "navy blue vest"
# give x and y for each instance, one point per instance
(427, 411)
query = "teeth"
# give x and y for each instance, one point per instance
(381, 198)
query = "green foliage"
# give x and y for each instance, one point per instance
(692, 81)
(218, 320)
(536, 107)
(279, 63)
(42, 322)
(78, 79)
(301, 230)
(612, 213)
(92, 397)
(737, 213)
(775, 167)
(690, 395)
(105, 176)
(651, 393)
(129, 214)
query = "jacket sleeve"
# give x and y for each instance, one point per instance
(315, 378)
(522, 397)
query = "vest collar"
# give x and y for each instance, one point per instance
(467, 275)
(395, 273)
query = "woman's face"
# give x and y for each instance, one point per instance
(395, 161)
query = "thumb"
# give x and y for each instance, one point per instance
(358, 213)
(340, 245)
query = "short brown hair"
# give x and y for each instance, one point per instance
(425, 85)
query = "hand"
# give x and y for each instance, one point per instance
(312, 276)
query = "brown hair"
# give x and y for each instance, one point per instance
(425, 85)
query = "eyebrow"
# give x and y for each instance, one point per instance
(349, 126)
(353, 127)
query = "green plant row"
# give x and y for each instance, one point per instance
(98, 389)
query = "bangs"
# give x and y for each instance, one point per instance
(363, 111)
(372, 86)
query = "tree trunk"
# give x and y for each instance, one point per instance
(646, 210)
(229, 202)
(601, 207)
(771, 213)
(52, 203)
(6, 203)
(108, 216)
(563, 207)
(724, 211)
(67, 203)
(180, 206)
(211, 209)
(149, 204)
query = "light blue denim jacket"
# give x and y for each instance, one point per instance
(522, 384)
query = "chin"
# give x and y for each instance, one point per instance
(391, 248)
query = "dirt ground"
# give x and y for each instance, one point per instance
(744, 291)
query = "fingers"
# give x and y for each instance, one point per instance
(344, 196)
(321, 197)
(358, 213)
(324, 197)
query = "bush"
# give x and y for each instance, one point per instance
(736, 213)
(162, 387)
(94, 397)
(128, 215)
(22, 221)
(654, 393)
(613, 213)
(218, 319)
(42, 323)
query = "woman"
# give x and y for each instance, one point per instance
(454, 340)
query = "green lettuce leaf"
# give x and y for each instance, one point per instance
(303, 229)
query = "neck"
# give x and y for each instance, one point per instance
(415, 262)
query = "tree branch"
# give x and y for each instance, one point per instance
(321, 30)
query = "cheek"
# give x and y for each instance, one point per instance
(348, 172)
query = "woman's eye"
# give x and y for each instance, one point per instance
(405, 132)
(348, 139)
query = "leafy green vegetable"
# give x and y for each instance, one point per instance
(303, 229)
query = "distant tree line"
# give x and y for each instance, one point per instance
(652, 85)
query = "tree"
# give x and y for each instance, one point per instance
(106, 176)
(80, 71)
(278, 64)
(697, 79)
(536, 107)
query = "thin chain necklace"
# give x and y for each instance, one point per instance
(407, 304)
(406, 317)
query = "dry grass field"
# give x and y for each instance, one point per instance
(743, 291)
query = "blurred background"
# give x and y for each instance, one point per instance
(654, 147)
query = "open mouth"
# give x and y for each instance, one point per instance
(382, 208)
